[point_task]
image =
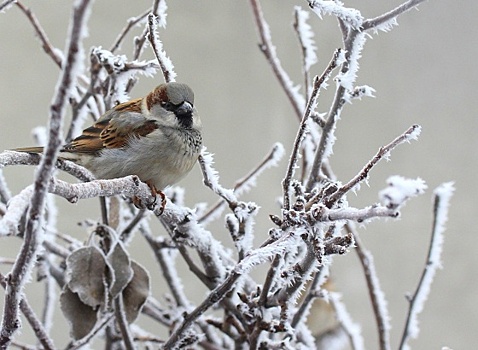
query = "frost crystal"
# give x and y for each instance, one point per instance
(306, 36)
(350, 16)
(399, 190)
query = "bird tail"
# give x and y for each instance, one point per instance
(29, 149)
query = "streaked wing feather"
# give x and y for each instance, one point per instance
(113, 129)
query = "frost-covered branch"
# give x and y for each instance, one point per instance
(377, 297)
(130, 23)
(351, 328)
(411, 133)
(32, 239)
(33, 320)
(245, 183)
(311, 105)
(387, 19)
(442, 197)
(164, 61)
(305, 36)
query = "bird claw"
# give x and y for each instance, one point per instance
(151, 206)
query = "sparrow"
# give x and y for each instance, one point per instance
(157, 137)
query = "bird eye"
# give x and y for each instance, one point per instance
(167, 105)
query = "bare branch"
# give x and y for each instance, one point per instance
(269, 51)
(129, 25)
(6, 4)
(120, 316)
(45, 41)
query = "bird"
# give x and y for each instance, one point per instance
(157, 138)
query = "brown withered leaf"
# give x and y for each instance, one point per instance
(86, 272)
(136, 292)
(120, 267)
(81, 317)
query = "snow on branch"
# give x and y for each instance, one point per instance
(349, 16)
(442, 197)
(399, 190)
(164, 61)
(351, 328)
(411, 133)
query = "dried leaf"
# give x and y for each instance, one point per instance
(86, 271)
(81, 317)
(136, 292)
(120, 266)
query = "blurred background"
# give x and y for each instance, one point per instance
(424, 72)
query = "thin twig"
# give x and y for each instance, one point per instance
(120, 316)
(164, 62)
(210, 179)
(375, 292)
(6, 4)
(442, 196)
(380, 20)
(335, 110)
(33, 320)
(140, 41)
(411, 133)
(269, 51)
(311, 104)
(309, 298)
(129, 25)
(215, 296)
(245, 182)
(46, 44)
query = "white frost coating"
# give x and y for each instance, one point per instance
(387, 25)
(3, 186)
(329, 147)
(163, 58)
(15, 210)
(40, 136)
(261, 255)
(399, 190)
(213, 176)
(162, 14)
(347, 79)
(378, 292)
(289, 85)
(443, 194)
(346, 321)
(415, 133)
(306, 36)
(350, 16)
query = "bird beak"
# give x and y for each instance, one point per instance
(184, 110)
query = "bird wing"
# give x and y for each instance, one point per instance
(114, 129)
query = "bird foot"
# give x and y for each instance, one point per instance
(138, 203)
